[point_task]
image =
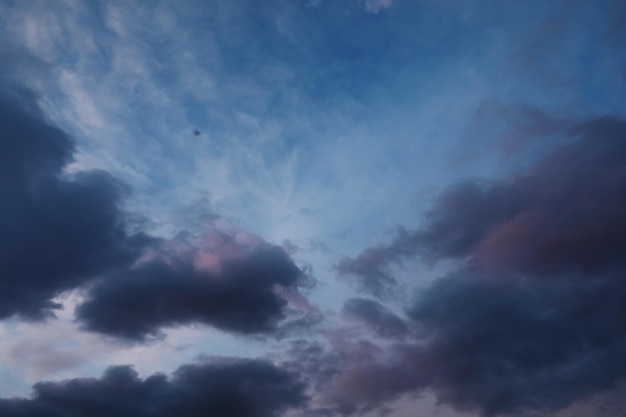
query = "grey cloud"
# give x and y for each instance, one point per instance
(531, 318)
(57, 231)
(240, 294)
(372, 268)
(376, 317)
(505, 346)
(499, 347)
(60, 232)
(313, 361)
(561, 215)
(237, 388)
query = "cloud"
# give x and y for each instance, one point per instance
(531, 315)
(376, 317)
(350, 376)
(371, 268)
(62, 231)
(561, 215)
(499, 346)
(237, 388)
(507, 345)
(321, 365)
(58, 230)
(376, 6)
(234, 282)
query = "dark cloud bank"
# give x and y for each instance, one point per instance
(56, 231)
(61, 231)
(533, 317)
(237, 388)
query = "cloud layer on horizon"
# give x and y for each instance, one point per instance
(237, 388)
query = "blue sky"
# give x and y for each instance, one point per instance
(331, 130)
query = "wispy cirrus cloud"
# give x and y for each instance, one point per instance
(376, 6)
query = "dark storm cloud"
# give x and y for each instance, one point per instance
(376, 317)
(238, 388)
(56, 230)
(61, 231)
(534, 315)
(561, 215)
(506, 345)
(233, 287)
(499, 346)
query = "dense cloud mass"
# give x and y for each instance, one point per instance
(60, 232)
(56, 230)
(533, 316)
(562, 215)
(238, 388)
(231, 283)
(507, 345)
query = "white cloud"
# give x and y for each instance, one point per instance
(376, 6)
(84, 108)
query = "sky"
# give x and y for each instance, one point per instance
(319, 208)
